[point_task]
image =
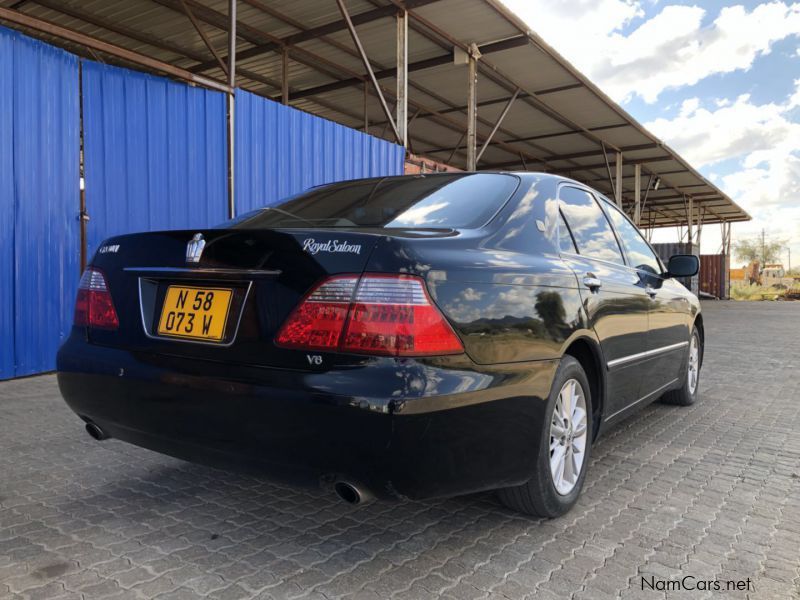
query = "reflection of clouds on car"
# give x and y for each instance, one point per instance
(640, 255)
(420, 215)
(582, 219)
(524, 207)
(600, 246)
(589, 226)
(471, 295)
(510, 302)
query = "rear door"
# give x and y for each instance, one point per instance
(669, 310)
(614, 298)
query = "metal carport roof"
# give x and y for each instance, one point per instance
(558, 122)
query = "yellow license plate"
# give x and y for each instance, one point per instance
(195, 313)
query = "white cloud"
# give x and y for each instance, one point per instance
(672, 49)
(678, 47)
(737, 128)
(794, 101)
(766, 141)
(689, 106)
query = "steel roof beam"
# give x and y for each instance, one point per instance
(535, 137)
(499, 122)
(113, 27)
(131, 56)
(515, 41)
(260, 5)
(315, 32)
(365, 60)
(158, 42)
(436, 61)
(303, 36)
(151, 40)
(632, 161)
(424, 90)
(500, 78)
(254, 36)
(199, 28)
(503, 100)
(497, 76)
(699, 195)
(493, 47)
(590, 153)
(432, 32)
(516, 22)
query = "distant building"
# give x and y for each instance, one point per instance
(773, 272)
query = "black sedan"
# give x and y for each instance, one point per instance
(399, 337)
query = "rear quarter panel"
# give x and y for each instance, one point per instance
(504, 288)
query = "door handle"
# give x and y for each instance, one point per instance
(650, 291)
(593, 283)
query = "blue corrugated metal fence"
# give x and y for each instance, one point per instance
(281, 150)
(155, 153)
(7, 211)
(39, 201)
(155, 157)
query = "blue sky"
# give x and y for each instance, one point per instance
(718, 81)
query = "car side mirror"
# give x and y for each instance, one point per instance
(683, 265)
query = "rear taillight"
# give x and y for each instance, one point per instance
(318, 322)
(94, 306)
(390, 315)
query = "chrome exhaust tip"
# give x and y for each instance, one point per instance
(352, 493)
(98, 434)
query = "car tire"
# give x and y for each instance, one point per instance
(686, 395)
(539, 496)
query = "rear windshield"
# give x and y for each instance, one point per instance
(414, 202)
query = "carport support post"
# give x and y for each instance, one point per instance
(472, 108)
(618, 180)
(689, 217)
(231, 106)
(637, 194)
(700, 215)
(366, 107)
(285, 75)
(728, 239)
(402, 76)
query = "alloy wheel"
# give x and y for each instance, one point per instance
(568, 436)
(693, 372)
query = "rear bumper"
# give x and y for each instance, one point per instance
(400, 428)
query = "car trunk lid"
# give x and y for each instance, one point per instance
(255, 278)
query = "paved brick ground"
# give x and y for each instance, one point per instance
(711, 491)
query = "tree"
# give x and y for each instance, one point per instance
(761, 248)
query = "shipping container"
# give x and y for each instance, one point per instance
(714, 274)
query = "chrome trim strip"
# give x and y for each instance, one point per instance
(205, 271)
(646, 354)
(643, 398)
